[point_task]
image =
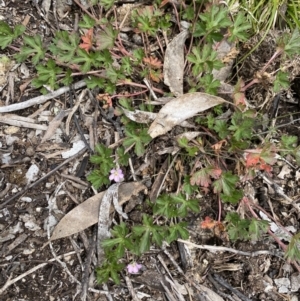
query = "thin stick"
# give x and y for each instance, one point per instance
(40, 99)
(225, 249)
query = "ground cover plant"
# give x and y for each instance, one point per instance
(235, 145)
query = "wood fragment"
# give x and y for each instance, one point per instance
(40, 99)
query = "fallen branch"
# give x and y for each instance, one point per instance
(40, 99)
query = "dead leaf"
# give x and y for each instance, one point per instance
(153, 62)
(139, 116)
(208, 223)
(179, 109)
(86, 214)
(174, 63)
(104, 219)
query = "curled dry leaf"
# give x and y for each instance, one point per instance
(174, 63)
(179, 109)
(86, 214)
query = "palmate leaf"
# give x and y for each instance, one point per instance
(238, 31)
(281, 82)
(87, 59)
(184, 204)
(86, 22)
(226, 183)
(98, 179)
(138, 137)
(64, 45)
(292, 46)
(34, 46)
(106, 38)
(257, 228)
(7, 34)
(203, 176)
(47, 75)
(177, 231)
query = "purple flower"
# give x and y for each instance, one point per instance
(116, 175)
(134, 268)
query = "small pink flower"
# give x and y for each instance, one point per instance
(116, 175)
(134, 268)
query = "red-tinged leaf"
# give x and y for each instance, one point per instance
(87, 40)
(268, 154)
(205, 190)
(201, 177)
(208, 223)
(252, 159)
(105, 98)
(239, 99)
(267, 168)
(153, 62)
(215, 173)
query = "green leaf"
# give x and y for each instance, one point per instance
(293, 251)
(289, 142)
(64, 45)
(139, 137)
(211, 22)
(33, 47)
(68, 79)
(281, 81)
(188, 187)
(184, 205)
(103, 158)
(205, 60)
(7, 34)
(164, 205)
(238, 30)
(47, 75)
(237, 228)
(177, 231)
(86, 22)
(95, 82)
(107, 37)
(257, 228)
(221, 127)
(107, 4)
(114, 74)
(123, 158)
(148, 231)
(241, 125)
(235, 196)
(120, 242)
(292, 46)
(98, 179)
(225, 183)
(109, 269)
(209, 84)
